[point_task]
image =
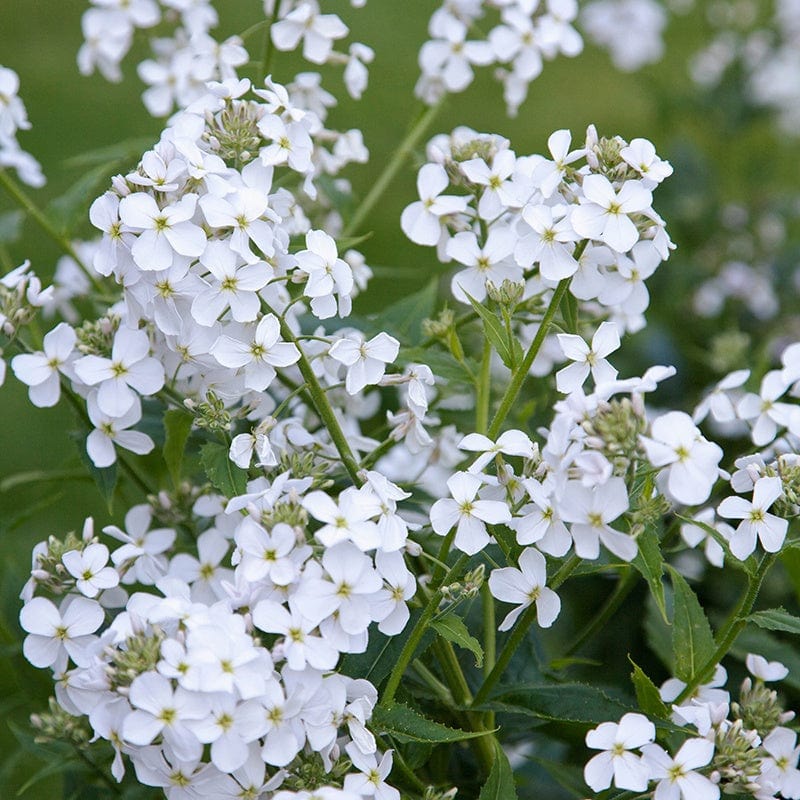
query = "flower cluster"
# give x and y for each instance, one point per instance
(739, 747)
(527, 34)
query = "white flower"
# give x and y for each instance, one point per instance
(550, 244)
(616, 762)
(756, 522)
(781, 744)
(317, 31)
(759, 667)
(258, 352)
(693, 461)
(162, 232)
(524, 586)
(129, 370)
(588, 359)
(492, 262)
(676, 776)
(327, 274)
(467, 514)
(88, 567)
(420, 221)
(512, 443)
(113, 430)
(768, 414)
(641, 155)
(603, 213)
(365, 360)
(41, 371)
(54, 633)
(589, 510)
(371, 782)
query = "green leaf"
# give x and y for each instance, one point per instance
(658, 633)
(776, 619)
(407, 725)
(105, 478)
(650, 562)
(565, 702)
(693, 642)
(11, 226)
(569, 310)
(127, 150)
(177, 426)
(647, 693)
(452, 628)
(221, 471)
(568, 776)
(790, 558)
(403, 317)
(500, 783)
(496, 334)
(68, 210)
(442, 364)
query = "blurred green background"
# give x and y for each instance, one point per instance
(720, 151)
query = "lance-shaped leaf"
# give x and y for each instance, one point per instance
(693, 642)
(177, 426)
(221, 471)
(647, 694)
(776, 619)
(407, 725)
(500, 783)
(452, 628)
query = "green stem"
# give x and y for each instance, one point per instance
(391, 169)
(519, 633)
(484, 388)
(518, 378)
(730, 631)
(324, 408)
(14, 189)
(489, 642)
(415, 637)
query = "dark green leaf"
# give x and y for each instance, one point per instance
(693, 642)
(105, 478)
(650, 562)
(500, 783)
(452, 628)
(568, 776)
(776, 619)
(647, 693)
(177, 426)
(407, 725)
(568, 702)
(657, 632)
(403, 317)
(496, 333)
(11, 226)
(221, 471)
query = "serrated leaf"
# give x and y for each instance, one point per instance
(403, 317)
(647, 695)
(452, 628)
(565, 702)
(177, 427)
(500, 783)
(693, 642)
(776, 619)
(105, 478)
(650, 563)
(496, 333)
(221, 471)
(407, 725)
